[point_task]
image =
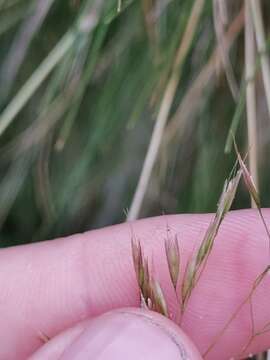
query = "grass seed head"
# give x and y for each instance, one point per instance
(173, 259)
(137, 260)
(196, 264)
(145, 279)
(158, 299)
(188, 282)
(228, 195)
(141, 268)
(249, 182)
(152, 296)
(248, 178)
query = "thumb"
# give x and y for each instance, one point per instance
(122, 334)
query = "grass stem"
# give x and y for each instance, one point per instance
(164, 111)
(250, 69)
(262, 46)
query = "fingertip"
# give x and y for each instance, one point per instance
(131, 334)
(121, 334)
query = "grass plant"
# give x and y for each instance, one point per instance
(113, 105)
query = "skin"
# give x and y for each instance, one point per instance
(57, 288)
(129, 333)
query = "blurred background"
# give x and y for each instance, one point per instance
(98, 96)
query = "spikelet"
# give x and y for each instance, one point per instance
(173, 259)
(197, 262)
(151, 293)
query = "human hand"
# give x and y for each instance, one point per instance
(57, 288)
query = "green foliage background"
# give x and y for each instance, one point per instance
(71, 157)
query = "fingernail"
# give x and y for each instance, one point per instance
(131, 334)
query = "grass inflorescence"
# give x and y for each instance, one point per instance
(99, 94)
(151, 292)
